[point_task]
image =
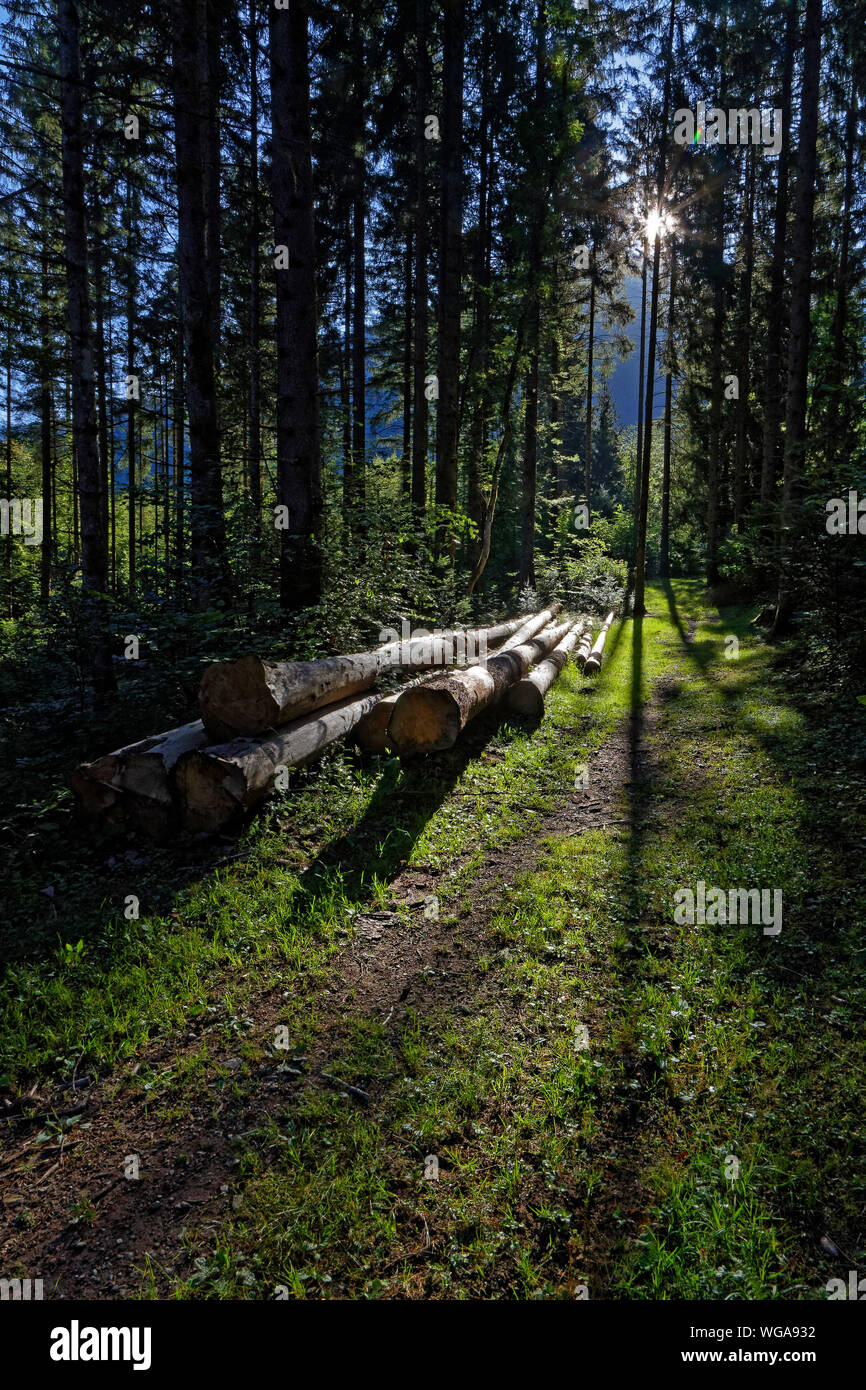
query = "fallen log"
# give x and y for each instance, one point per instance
(526, 697)
(532, 625)
(430, 717)
(217, 783)
(250, 696)
(371, 733)
(593, 661)
(135, 783)
(584, 646)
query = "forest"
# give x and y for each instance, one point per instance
(326, 973)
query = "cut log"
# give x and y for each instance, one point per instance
(593, 661)
(533, 624)
(217, 783)
(430, 717)
(135, 784)
(251, 696)
(526, 697)
(584, 646)
(371, 733)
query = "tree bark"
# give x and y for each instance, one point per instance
(639, 605)
(450, 259)
(420, 412)
(299, 468)
(197, 251)
(801, 267)
(84, 422)
(775, 308)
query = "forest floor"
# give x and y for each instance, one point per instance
(434, 1032)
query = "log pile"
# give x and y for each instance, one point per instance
(430, 717)
(526, 697)
(259, 718)
(251, 696)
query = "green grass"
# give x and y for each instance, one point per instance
(699, 1146)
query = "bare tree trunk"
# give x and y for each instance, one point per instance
(255, 437)
(193, 45)
(801, 269)
(359, 270)
(450, 257)
(775, 308)
(587, 462)
(639, 607)
(533, 331)
(299, 470)
(406, 449)
(665, 542)
(640, 394)
(84, 422)
(745, 345)
(419, 349)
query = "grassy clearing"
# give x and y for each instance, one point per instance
(105, 986)
(637, 1108)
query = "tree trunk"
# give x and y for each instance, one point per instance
(420, 427)
(219, 783)
(639, 606)
(775, 308)
(587, 462)
(299, 469)
(745, 347)
(136, 784)
(84, 422)
(359, 270)
(665, 540)
(640, 396)
(801, 268)
(450, 260)
(198, 260)
(593, 661)
(255, 368)
(250, 696)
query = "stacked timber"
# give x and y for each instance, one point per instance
(136, 784)
(250, 696)
(526, 697)
(217, 783)
(430, 717)
(260, 718)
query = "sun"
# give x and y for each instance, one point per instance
(657, 224)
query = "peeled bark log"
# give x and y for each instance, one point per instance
(372, 732)
(532, 625)
(218, 783)
(593, 661)
(584, 647)
(526, 698)
(251, 696)
(135, 784)
(430, 717)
